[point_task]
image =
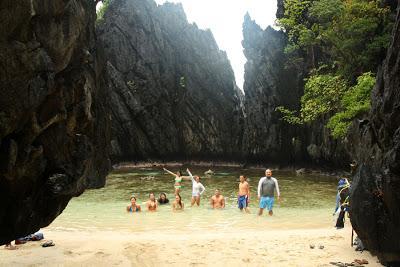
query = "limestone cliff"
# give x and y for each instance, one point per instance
(50, 111)
(272, 80)
(269, 83)
(375, 198)
(173, 92)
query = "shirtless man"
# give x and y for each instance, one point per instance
(244, 194)
(217, 200)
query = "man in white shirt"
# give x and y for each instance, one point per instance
(265, 192)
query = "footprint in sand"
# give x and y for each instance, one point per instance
(246, 260)
(68, 252)
(336, 237)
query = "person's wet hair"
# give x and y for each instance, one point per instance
(180, 200)
(133, 197)
(163, 201)
(179, 173)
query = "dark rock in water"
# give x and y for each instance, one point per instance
(51, 120)
(375, 197)
(173, 92)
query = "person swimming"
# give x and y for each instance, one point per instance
(177, 205)
(197, 189)
(151, 204)
(133, 207)
(162, 199)
(178, 180)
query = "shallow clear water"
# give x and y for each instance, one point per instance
(307, 202)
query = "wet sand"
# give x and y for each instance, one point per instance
(248, 247)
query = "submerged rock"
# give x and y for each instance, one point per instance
(51, 121)
(173, 92)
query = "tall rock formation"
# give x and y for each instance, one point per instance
(51, 122)
(375, 197)
(269, 82)
(272, 80)
(173, 92)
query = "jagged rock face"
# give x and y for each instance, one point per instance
(375, 197)
(269, 83)
(323, 149)
(272, 80)
(49, 123)
(173, 93)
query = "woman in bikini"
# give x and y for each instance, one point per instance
(178, 204)
(151, 204)
(133, 207)
(178, 180)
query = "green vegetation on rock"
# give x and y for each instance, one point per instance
(342, 43)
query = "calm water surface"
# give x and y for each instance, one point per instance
(307, 202)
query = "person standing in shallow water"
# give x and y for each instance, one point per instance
(178, 180)
(265, 192)
(151, 204)
(217, 200)
(197, 189)
(163, 199)
(244, 194)
(177, 205)
(133, 207)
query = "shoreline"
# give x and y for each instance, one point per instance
(159, 164)
(264, 247)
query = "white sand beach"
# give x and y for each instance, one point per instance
(262, 247)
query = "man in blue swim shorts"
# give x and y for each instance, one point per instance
(244, 194)
(265, 192)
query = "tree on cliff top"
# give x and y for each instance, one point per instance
(343, 41)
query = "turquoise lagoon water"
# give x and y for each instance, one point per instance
(307, 202)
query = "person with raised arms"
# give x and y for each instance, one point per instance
(178, 180)
(197, 188)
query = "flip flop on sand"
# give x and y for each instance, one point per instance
(338, 263)
(361, 262)
(48, 243)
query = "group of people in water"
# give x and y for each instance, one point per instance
(265, 193)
